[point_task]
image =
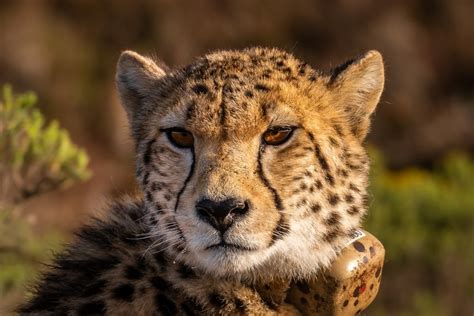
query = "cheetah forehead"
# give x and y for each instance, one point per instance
(242, 91)
(249, 64)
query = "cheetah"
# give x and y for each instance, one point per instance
(253, 174)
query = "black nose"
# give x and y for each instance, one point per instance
(221, 214)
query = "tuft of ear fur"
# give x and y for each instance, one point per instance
(136, 78)
(357, 86)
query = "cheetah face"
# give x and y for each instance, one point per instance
(251, 162)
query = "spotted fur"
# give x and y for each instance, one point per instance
(304, 196)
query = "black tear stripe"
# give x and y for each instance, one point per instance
(188, 178)
(276, 197)
(281, 230)
(322, 161)
(148, 151)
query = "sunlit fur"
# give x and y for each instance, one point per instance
(227, 100)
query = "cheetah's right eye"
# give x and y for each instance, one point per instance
(180, 137)
(277, 135)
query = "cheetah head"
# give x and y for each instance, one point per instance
(251, 162)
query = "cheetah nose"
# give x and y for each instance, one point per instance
(221, 214)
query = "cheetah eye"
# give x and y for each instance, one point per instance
(278, 135)
(180, 137)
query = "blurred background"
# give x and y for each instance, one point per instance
(421, 144)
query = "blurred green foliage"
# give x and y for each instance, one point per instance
(414, 210)
(425, 221)
(34, 156)
(22, 251)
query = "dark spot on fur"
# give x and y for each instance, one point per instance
(365, 259)
(333, 219)
(354, 188)
(353, 210)
(123, 292)
(217, 300)
(261, 87)
(372, 251)
(346, 302)
(132, 273)
(303, 186)
(303, 287)
(343, 173)
(240, 306)
(333, 199)
(265, 108)
(338, 130)
(157, 186)
(159, 283)
(316, 207)
(200, 89)
(165, 305)
(332, 235)
(333, 141)
(302, 202)
(92, 308)
(349, 198)
(303, 300)
(318, 184)
(149, 196)
(365, 200)
(186, 272)
(356, 302)
(249, 94)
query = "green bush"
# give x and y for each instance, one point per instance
(35, 157)
(425, 220)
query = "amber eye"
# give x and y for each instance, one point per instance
(277, 135)
(180, 137)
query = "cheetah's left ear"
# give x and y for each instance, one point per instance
(357, 86)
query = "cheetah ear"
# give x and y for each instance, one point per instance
(357, 86)
(137, 77)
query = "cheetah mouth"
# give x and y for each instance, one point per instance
(226, 246)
